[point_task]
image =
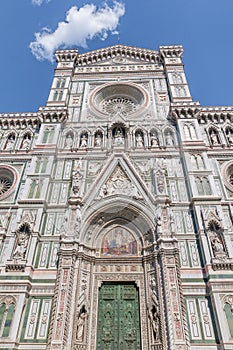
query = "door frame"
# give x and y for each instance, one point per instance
(138, 279)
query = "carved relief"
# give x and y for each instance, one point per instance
(119, 183)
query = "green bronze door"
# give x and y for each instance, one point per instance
(118, 318)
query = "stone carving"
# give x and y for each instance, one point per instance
(26, 142)
(169, 140)
(229, 135)
(118, 137)
(98, 139)
(22, 239)
(154, 319)
(68, 141)
(81, 323)
(139, 139)
(154, 141)
(160, 171)
(217, 246)
(77, 176)
(10, 143)
(83, 140)
(119, 183)
(214, 138)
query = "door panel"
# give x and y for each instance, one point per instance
(118, 318)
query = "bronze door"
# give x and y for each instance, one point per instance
(118, 317)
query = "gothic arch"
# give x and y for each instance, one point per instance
(122, 212)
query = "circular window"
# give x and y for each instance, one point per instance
(122, 99)
(8, 176)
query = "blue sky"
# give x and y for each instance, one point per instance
(203, 27)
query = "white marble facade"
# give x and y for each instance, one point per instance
(119, 153)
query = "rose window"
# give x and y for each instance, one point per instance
(122, 105)
(5, 185)
(119, 99)
(8, 176)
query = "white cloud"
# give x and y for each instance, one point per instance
(80, 25)
(39, 2)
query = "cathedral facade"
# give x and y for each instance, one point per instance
(116, 210)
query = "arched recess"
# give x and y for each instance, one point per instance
(123, 266)
(122, 211)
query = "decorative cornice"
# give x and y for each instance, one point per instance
(217, 115)
(175, 51)
(66, 55)
(19, 120)
(53, 114)
(186, 110)
(115, 51)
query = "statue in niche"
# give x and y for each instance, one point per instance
(10, 143)
(169, 139)
(26, 142)
(139, 140)
(217, 246)
(229, 134)
(83, 141)
(77, 176)
(22, 238)
(81, 323)
(154, 140)
(154, 319)
(68, 141)
(214, 137)
(98, 140)
(118, 137)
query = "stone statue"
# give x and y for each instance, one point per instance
(10, 143)
(169, 139)
(139, 140)
(98, 140)
(77, 176)
(118, 138)
(21, 245)
(26, 143)
(68, 141)
(81, 323)
(154, 140)
(83, 141)
(214, 138)
(154, 319)
(218, 248)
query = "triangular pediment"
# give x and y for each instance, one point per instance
(118, 178)
(118, 55)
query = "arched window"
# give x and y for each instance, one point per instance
(203, 186)
(7, 310)
(189, 132)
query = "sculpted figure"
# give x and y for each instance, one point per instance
(81, 323)
(139, 140)
(26, 143)
(10, 143)
(118, 138)
(98, 140)
(21, 245)
(83, 142)
(68, 141)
